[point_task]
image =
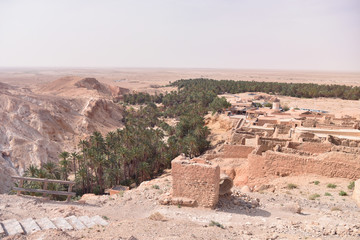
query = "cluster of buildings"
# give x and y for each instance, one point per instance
(266, 143)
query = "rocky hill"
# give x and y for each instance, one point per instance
(77, 86)
(37, 124)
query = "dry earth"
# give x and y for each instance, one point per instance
(141, 78)
(137, 213)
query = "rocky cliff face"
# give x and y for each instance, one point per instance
(35, 126)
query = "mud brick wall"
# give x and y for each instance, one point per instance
(312, 147)
(236, 151)
(196, 181)
(330, 164)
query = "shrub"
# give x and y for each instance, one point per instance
(330, 185)
(155, 186)
(327, 194)
(286, 108)
(291, 186)
(157, 217)
(335, 209)
(351, 185)
(342, 193)
(213, 223)
(316, 182)
(105, 217)
(314, 196)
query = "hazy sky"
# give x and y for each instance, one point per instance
(260, 34)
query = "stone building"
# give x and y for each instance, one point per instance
(195, 182)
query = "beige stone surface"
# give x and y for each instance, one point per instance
(356, 193)
(195, 181)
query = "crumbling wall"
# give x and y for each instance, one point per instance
(312, 147)
(195, 182)
(343, 142)
(272, 142)
(344, 149)
(262, 122)
(331, 164)
(236, 151)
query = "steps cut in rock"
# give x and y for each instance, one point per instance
(12, 227)
(2, 231)
(99, 220)
(62, 224)
(29, 225)
(75, 222)
(45, 223)
(87, 221)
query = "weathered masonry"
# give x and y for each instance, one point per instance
(195, 182)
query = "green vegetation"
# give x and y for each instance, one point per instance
(342, 193)
(351, 185)
(155, 187)
(269, 105)
(291, 186)
(316, 182)
(302, 90)
(328, 194)
(335, 209)
(217, 224)
(330, 185)
(285, 108)
(314, 196)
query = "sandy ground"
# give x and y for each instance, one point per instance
(141, 78)
(336, 106)
(132, 213)
(149, 79)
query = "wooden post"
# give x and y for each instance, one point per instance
(45, 187)
(21, 183)
(69, 190)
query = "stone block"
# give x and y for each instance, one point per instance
(45, 223)
(2, 231)
(62, 224)
(12, 227)
(99, 220)
(75, 222)
(87, 221)
(29, 225)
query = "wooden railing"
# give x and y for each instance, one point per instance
(44, 191)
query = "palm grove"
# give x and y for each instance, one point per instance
(146, 144)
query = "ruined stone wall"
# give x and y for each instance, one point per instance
(352, 150)
(330, 164)
(272, 142)
(282, 128)
(343, 142)
(236, 151)
(262, 122)
(311, 147)
(195, 181)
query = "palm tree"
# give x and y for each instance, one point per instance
(31, 171)
(52, 169)
(65, 164)
(74, 156)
